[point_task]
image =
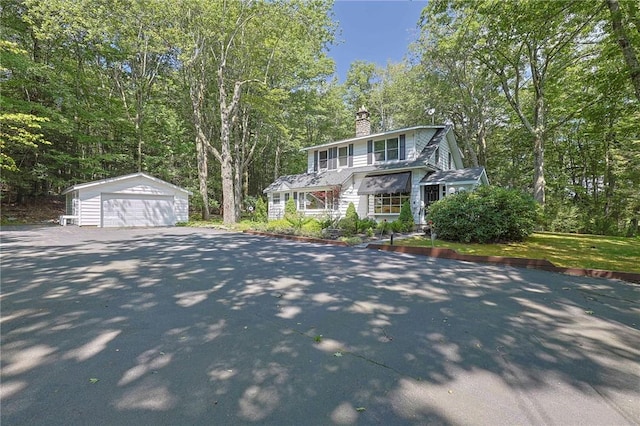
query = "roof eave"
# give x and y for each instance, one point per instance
(371, 136)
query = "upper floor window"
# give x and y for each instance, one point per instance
(332, 158)
(449, 161)
(322, 158)
(343, 156)
(386, 149)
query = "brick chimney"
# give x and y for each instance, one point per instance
(363, 125)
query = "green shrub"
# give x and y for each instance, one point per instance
(290, 207)
(282, 226)
(329, 222)
(367, 223)
(349, 225)
(260, 214)
(383, 227)
(406, 217)
(564, 218)
(397, 227)
(489, 214)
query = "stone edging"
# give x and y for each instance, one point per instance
(512, 261)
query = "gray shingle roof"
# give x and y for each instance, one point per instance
(335, 178)
(473, 174)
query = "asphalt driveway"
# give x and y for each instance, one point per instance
(185, 326)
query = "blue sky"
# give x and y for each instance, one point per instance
(374, 31)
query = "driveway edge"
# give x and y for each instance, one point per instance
(543, 264)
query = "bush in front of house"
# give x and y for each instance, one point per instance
(406, 218)
(260, 214)
(487, 215)
(349, 224)
(290, 208)
(367, 223)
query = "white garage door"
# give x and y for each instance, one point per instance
(137, 210)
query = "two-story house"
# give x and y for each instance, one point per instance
(377, 173)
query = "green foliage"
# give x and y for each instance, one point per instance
(489, 214)
(349, 225)
(260, 213)
(406, 217)
(367, 223)
(383, 227)
(351, 212)
(290, 208)
(563, 218)
(352, 241)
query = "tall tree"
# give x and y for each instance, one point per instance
(526, 44)
(623, 19)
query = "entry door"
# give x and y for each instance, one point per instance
(431, 193)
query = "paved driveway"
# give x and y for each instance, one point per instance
(182, 326)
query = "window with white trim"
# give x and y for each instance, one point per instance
(275, 198)
(343, 156)
(318, 200)
(322, 160)
(391, 149)
(389, 203)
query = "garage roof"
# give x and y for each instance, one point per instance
(124, 177)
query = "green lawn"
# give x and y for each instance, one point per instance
(565, 250)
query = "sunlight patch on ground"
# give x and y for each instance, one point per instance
(94, 347)
(148, 361)
(368, 307)
(11, 387)
(23, 360)
(433, 294)
(150, 395)
(344, 414)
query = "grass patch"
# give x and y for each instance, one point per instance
(565, 250)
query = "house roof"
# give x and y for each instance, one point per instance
(328, 178)
(121, 178)
(373, 136)
(459, 176)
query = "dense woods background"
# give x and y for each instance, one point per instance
(218, 97)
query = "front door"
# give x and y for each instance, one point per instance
(431, 193)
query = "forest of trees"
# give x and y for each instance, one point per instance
(219, 96)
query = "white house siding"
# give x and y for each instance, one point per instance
(90, 199)
(348, 195)
(181, 205)
(360, 154)
(416, 195)
(90, 207)
(422, 138)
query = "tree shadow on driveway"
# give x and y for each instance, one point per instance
(195, 326)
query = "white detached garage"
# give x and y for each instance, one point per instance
(130, 200)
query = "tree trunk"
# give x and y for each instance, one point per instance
(201, 153)
(197, 100)
(538, 170)
(226, 168)
(629, 54)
